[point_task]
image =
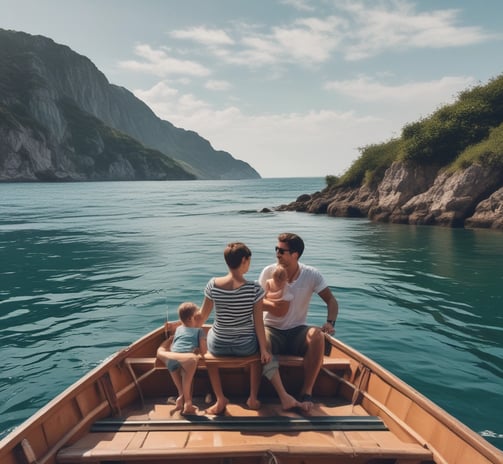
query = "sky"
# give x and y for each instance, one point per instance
(293, 87)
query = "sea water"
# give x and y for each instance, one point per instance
(87, 268)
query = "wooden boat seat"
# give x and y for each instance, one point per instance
(141, 368)
(241, 361)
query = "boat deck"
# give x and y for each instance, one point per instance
(333, 432)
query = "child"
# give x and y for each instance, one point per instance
(189, 341)
(276, 288)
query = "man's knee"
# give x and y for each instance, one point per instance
(315, 338)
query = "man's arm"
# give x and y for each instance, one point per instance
(332, 309)
(277, 308)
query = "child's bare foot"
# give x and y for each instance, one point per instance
(253, 403)
(218, 407)
(189, 408)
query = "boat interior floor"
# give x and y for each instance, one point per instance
(333, 431)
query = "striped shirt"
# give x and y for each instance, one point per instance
(233, 322)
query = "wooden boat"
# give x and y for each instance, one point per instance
(120, 413)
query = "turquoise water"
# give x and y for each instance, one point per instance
(87, 268)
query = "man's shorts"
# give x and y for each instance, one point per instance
(288, 341)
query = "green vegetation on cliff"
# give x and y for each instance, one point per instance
(455, 136)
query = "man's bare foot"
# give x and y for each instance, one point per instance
(189, 408)
(218, 407)
(253, 403)
(289, 402)
(306, 405)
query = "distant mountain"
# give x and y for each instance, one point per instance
(61, 120)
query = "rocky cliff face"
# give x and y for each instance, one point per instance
(60, 119)
(410, 194)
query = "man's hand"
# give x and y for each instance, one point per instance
(328, 328)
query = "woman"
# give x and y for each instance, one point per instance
(238, 327)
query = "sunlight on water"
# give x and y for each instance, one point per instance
(88, 268)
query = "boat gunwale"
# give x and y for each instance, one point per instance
(454, 425)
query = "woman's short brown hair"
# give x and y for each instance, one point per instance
(234, 253)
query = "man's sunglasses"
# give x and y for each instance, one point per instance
(281, 251)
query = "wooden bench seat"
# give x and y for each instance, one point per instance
(240, 361)
(149, 365)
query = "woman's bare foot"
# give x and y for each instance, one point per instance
(178, 404)
(189, 408)
(218, 407)
(253, 403)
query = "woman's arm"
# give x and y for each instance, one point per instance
(204, 312)
(265, 356)
(203, 345)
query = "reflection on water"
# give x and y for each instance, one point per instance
(88, 268)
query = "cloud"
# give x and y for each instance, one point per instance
(367, 89)
(159, 63)
(353, 31)
(168, 103)
(217, 85)
(312, 142)
(301, 5)
(397, 26)
(203, 35)
(310, 40)
(274, 144)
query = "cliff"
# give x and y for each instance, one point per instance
(444, 170)
(410, 194)
(61, 120)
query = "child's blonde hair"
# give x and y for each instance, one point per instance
(279, 273)
(187, 310)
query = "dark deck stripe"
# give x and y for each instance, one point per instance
(256, 424)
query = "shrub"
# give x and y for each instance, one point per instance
(370, 167)
(489, 152)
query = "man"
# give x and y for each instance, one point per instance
(286, 322)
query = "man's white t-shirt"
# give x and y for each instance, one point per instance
(309, 281)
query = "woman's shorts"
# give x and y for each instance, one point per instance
(239, 347)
